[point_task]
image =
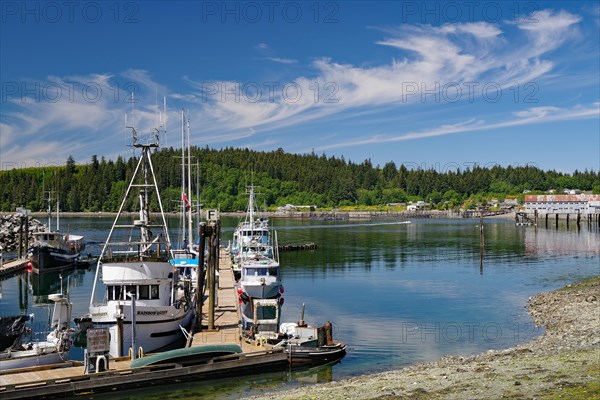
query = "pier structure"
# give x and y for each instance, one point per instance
(552, 208)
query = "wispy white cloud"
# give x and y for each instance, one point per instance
(534, 115)
(451, 53)
(282, 60)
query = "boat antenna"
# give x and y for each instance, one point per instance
(165, 118)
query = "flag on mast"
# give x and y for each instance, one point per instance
(185, 201)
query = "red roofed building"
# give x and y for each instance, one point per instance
(563, 203)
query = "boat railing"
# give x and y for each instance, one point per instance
(130, 251)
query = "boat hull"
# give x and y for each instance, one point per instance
(151, 334)
(188, 355)
(312, 356)
(45, 259)
(30, 358)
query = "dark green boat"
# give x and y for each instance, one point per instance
(188, 355)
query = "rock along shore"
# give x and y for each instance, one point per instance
(562, 363)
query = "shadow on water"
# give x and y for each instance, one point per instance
(228, 388)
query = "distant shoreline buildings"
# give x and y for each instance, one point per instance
(563, 204)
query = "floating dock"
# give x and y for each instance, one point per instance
(70, 381)
(13, 266)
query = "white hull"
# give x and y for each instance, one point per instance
(256, 290)
(156, 327)
(31, 358)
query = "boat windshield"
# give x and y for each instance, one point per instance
(272, 271)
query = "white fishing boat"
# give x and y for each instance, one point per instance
(145, 303)
(55, 347)
(251, 237)
(260, 278)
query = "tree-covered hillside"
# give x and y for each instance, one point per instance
(283, 178)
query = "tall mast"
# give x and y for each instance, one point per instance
(251, 206)
(183, 205)
(189, 182)
(57, 213)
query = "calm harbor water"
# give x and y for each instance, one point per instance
(398, 293)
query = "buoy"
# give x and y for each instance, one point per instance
(281, 290)
(281, 301)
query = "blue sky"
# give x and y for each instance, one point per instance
(427, 84)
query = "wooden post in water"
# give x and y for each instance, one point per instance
(567, 220)
(578, 220)
(546, 220)
(20, 246)
(556, 220)
(26, 231)
(200, 276)
(213, 263)
(209, 278)
(535, 216)
(481, 243)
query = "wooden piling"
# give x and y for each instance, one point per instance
(200, 276)
(556, 220)
(481, 243)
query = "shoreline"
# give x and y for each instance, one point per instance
(563, 362)
(350, 215)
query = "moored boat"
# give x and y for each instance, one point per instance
(54, 251)
(187, 356)
(144, 302)
(54, 349)
(309, 346)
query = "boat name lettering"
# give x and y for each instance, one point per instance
(152, 312)
(100, 314)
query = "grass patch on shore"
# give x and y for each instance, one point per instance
(584, 283)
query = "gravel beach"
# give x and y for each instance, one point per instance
(562, 363)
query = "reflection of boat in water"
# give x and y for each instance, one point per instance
(54, 349)
(42, 285)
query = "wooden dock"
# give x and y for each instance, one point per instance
(227, 312)
(69, 381)
(13, 266)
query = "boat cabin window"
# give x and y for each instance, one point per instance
(154, 292)
(257, 271)
(130, 289)
(113, 292)
(266, 312)
(144, 292)
(272, 271)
